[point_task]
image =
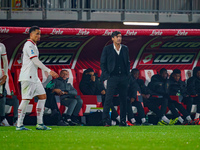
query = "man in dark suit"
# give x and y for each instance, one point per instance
(115, 67)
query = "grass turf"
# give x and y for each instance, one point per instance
(86, 138)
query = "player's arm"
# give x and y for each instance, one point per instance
(5, 65)
(38, 63)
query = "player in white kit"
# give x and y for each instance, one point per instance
(31, 86)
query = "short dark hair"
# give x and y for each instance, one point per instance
(163, 70)
(176, 71)
(33, 28)
(115, 33)
(134, 71)
(89, 70)
(63, 71)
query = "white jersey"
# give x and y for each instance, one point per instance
(2, 53)
(29, 71)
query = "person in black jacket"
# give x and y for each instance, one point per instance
(145, 91)
(115, 66)
(91, 85)
(178, 88)
(193, 87)
(132, 101)
(159, 87)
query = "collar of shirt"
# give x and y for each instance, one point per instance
(118, 51)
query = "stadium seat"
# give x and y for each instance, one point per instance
(169, 72)
(90, 101)
(186, 74)
(146, 75)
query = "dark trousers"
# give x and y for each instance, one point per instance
(114, 82)
(51, 100)
(196, 101)
(74, 105)
(172, 105)
(139, 107)
(114, 113)
(11, 102)
(154, 103)
(52, 104)
(188, 102)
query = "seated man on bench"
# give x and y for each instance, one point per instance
(68, 97)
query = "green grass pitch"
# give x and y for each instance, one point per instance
(102, 138)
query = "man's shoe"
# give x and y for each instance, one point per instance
(21, 128)
(146, 124)
(76, 121)
(4, 123)
(42, 127)
(107, 122)
(70, 123)
(197, 121)
(162, 123)
(187, 122)
(173, 121)
(129, 123)
(123, 124)
(62, 123)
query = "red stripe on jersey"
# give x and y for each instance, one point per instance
(33, 57)
(3, 54)
(31, 41)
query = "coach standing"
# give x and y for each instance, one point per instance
(115, 66)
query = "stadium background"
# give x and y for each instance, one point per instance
(108, 14)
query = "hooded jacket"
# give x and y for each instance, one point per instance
(193, 83)
(144, 89)
(133, 87)
(89, 87)
(177, 87)
(159, 86)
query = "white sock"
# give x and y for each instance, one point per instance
(143, 120)
(133, 120)
(164, 118)
(197, 115)
(189, 118)
(40, 110)
(180, 119)
(118, 118)
(22, 112)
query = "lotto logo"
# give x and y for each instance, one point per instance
(167, 58)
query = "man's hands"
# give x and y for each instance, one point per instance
(59, 92)
(54, 74)
(146, 96)
(3, 79)
(103, 92)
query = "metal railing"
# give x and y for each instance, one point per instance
(123, 6)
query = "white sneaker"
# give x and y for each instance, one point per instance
(4, 123)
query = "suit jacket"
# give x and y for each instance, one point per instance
(108, 60)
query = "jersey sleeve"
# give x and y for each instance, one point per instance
(30, 51)
(2, 49)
